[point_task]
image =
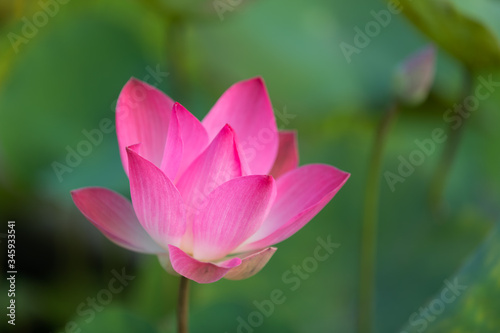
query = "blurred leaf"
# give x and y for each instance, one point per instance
(297, 54)
(115, 319)
(192, 9)
(451, 24)
(470, 300)
(65, 99)
(485, 11)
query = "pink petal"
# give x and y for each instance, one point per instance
(201, 272)
(247, 108)
(288, 154)
(194, 136)
(251, 264)
(142, 116)
(234, 211)
(156, 201)
(114, 216)
(302, 193)
(173, 150)
(219, 163)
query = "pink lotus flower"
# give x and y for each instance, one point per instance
(204, 194)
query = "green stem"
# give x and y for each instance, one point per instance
(182, 306)
(440, 177)
(369, 227)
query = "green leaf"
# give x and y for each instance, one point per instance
(464, 33)
(474, 309)
(73, 91)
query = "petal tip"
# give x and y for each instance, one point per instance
(134, 88)
(256, 80)
(134, 81)
(228, 127)
(227, 131)
(269, 180)
(346, 174)
(177, 106)
(131, 84)
(339, 174)
(133, 148)
(75, 194)
(78, 192)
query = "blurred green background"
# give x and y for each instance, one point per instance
(61, 75)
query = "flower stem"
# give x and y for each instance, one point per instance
(369, 226)
(444, 168)
(440, 177)
(182, 306)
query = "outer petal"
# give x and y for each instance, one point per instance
(288, 154)
(247, 108)
(234, 211)
(251, 264)
(302, 193)
(142, 116)
(114, 216)
(156, 201)
(194, 136)
(201, 272)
